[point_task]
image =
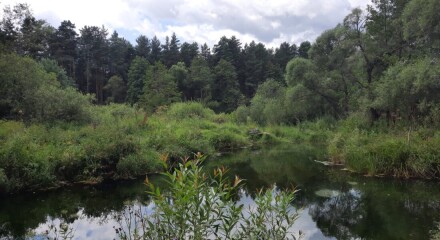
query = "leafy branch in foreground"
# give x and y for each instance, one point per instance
(199, 206)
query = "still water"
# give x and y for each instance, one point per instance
(332, 203)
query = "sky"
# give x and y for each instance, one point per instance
(203, 21)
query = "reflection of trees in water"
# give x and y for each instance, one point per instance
(378, 210)
(338, 215)
(285, 166)
(22, 213)
(5, 234)
(418, 208)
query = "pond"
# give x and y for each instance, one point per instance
(332, 203)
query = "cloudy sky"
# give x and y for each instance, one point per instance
(267, 21)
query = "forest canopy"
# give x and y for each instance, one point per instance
(382, 61)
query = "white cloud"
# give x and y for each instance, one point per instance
(270, 22)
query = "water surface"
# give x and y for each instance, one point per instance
(332, 204)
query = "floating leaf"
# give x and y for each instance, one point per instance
(327, 193)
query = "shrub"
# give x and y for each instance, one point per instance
(241, 114)
(24, 164)
(224, 140)
(56, 104)
(139, 164)
(197, 206)
(184, 110)
(29, 92)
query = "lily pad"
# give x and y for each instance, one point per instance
(327, 193)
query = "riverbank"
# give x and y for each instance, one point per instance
(122, 142)
(404, 154)
(401, 150)
(327, 199)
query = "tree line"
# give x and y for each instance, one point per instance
(114, 70)
(382, 61)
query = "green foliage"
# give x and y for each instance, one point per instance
(22, 161)
(63, 47)
(199, 81)
(303, 50)
(225, 88)
(411, 155)
(179, 74)
(138, 164)
(21, 79)
(136, 76)
(116, 89)
(40, 156)
(267, 107)
(30, 93)
(241, 114)
(51, 66)
(197, 206)
(256, 61)
(421, 24)
(226, 139)
(159, 88)
(55, 104)
(300, 70)
(189, 110)
(143, 47)
(188, 52)
(303, 104)
(117, 142)
(410, 89)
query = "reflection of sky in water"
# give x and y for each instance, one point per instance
(93, 227)
(101, 228)
(85, 227)
(306, 224)
(304, 221)
(347, 206)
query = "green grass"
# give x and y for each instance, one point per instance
(392, 153)
(117, 143)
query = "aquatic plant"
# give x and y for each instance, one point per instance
(199, 206)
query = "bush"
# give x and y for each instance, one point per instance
(197, 206)
(225, 139)
(56, 104)
(29, 92)
(138, 164)
(24, 164)
(189, 110)
(241, 114)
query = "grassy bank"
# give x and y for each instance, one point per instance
(120, 142)
(400, 150)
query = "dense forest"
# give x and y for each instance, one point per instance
(92, 104)
(383, 61)
(113, 70)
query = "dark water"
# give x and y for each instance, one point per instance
(332, 204)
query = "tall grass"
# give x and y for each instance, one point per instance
(393, 153)
(118, 142)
